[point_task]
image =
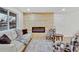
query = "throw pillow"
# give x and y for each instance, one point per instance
(5, 40)
(24, 31)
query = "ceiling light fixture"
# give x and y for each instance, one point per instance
(63, 9)
(28, 9)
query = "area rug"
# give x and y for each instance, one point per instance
(40, 46)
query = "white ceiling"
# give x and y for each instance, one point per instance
(48, 9)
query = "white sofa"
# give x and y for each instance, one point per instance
(16, 45)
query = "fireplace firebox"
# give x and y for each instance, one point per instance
(38, 29)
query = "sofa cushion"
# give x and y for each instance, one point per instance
(13, 34)
(17, 44)
(22, 40)
(27, 37)
(7, 48)
(5, 39)
(19, 32)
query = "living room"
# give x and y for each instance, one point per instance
(26, 28)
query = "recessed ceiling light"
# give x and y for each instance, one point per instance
(28, 9)
(63, 9)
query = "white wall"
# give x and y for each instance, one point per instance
(72, 22)
(38, 20)
(59, 22)
(67, 23)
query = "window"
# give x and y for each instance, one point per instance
(3, 19)
(7, 19)
(12, 20)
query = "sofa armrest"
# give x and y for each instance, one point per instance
(27, 37)
(22, 48)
